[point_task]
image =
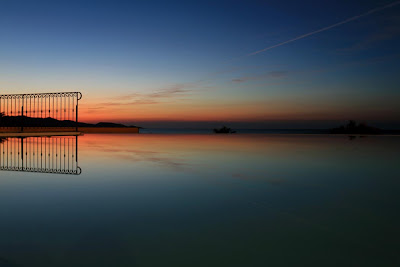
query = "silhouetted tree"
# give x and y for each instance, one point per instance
(351, 124)
(352, 128)
(224, 129)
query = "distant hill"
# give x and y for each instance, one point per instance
(18, 121)
(353, 128)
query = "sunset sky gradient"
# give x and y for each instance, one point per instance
(207, 63)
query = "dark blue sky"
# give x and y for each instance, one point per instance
(152, 61)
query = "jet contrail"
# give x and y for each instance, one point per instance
(327, 28)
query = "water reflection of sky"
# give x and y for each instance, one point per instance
(208, 200)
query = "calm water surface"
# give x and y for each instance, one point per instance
(200, 200)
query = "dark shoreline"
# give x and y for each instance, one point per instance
(262, 131)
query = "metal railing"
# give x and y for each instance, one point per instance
(57, 155)
(29, 110)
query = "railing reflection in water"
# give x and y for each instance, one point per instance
(40, 154)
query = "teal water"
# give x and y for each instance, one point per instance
(200, 200)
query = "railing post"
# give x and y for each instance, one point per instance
(76, 110)
(22, 114)
(22, 152)
(76, 150)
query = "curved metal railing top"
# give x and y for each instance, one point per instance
(42, 95)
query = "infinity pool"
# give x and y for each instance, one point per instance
(200, 200)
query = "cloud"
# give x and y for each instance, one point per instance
(177, 89)
(240, 80)
(155, 97)
(136, 102)
(372, 11)
(94, 108)
(137, 155)
(268, 75)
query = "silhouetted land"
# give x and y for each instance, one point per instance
(353, 128)
(350, 128)
(18, 121)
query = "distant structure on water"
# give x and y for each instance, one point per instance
(224, 129)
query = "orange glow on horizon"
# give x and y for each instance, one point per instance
(93, 112)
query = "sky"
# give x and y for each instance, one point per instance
(246, 64)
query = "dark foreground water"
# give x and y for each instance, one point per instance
(200, 200)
